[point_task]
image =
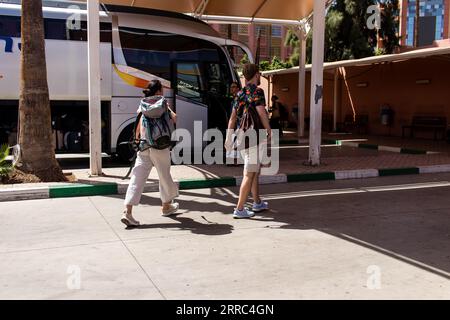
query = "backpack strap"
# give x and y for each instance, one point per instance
(137, 127)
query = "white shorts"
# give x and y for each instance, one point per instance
(253, 158)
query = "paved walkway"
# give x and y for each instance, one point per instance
(372, 239)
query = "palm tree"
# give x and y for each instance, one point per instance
(35, 136)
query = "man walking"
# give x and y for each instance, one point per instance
(250, 105)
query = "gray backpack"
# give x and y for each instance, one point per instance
(157, 124)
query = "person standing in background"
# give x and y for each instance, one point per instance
(275, 118)
(233, 154)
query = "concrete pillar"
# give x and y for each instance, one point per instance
(269, 92)
(95, 131)
(315, 129)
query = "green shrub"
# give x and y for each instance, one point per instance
(5, 168)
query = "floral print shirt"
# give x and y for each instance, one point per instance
(249, 97)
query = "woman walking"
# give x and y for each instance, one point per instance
(154, 154)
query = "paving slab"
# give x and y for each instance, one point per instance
(105, 271)
(39, 224)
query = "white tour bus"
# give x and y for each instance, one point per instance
(137, 45)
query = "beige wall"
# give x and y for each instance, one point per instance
(289, 98)
(392, 83)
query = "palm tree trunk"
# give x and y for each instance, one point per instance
(35, 136)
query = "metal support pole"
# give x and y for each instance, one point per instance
(315, 131)
(94, 84)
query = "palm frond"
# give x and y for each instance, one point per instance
(5, 168)
(4, 152)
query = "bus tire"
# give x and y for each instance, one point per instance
(124, 151)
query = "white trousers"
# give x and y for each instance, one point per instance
(145, 161)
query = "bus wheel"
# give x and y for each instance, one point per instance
(124, 150)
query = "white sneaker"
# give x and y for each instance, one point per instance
(172, 211)
(129, 221)
(262, 206)
(244, 214)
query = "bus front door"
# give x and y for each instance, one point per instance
(192, 112)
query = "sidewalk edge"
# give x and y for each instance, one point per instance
(82, 190)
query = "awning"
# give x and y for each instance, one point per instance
(420, 53)
(272, 10)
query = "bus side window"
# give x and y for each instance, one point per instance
(10, 26)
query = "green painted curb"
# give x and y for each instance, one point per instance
(324, 141)
(368, 146)
(311, 176)
(397, 171)
(332, 141)
(412, 151)
(83, 190)
(207, 183)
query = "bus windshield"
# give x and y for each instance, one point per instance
(153, 51)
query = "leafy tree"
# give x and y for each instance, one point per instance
(347, 35)
(275, 64)
(390, 14)
(244, 60)
(264, 65)
(291, 40)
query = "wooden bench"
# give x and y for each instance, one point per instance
(427, 123)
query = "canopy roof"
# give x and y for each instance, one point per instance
(290, 10)
(420, 53)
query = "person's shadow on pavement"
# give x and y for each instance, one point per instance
(208, 228)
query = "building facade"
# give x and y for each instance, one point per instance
(271, 39)
(433, 22)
